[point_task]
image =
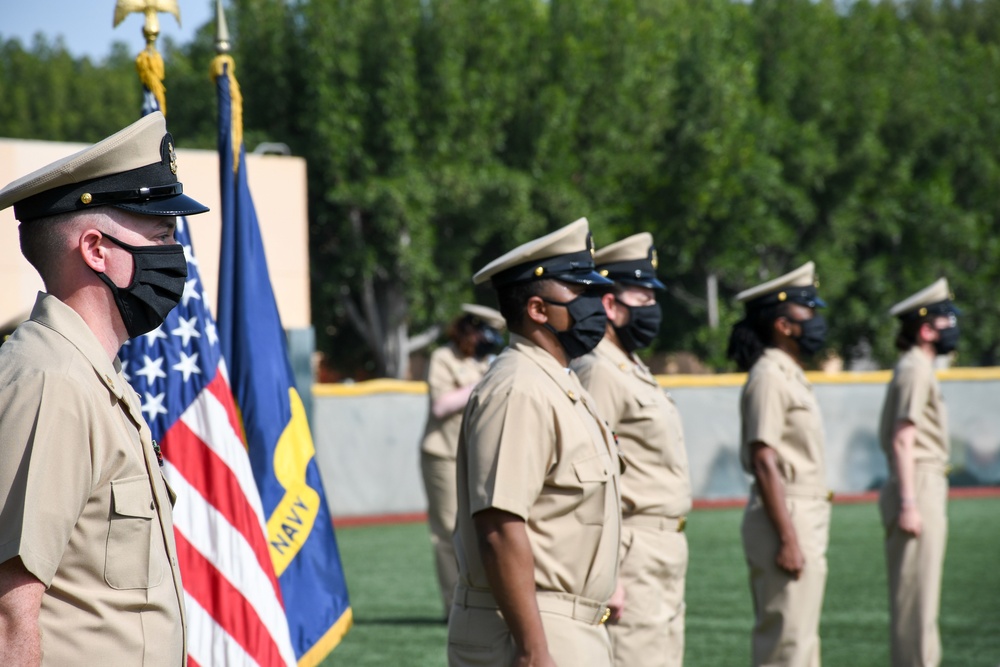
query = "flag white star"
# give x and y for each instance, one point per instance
(153, 405)
(154, 334)
(189, 292)
(151, 369)
(128, 378)
(180, 223)
(186, 329)
(213, 336)
(189, 256)
(188, 365)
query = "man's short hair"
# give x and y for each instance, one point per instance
(43, 240)
(513, 298)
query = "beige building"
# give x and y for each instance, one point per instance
(278, 185)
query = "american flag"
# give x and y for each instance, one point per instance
(234, 606)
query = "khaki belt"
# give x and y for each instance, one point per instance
(578, 608)
(666, 523)
(802, 491)
(808, 491)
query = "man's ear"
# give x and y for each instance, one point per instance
(536, 310)
(928, 333)
(783, 326)
(610, 304)
(93, 253)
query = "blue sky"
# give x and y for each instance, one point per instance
(85, 25)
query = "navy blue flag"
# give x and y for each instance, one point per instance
(299, 527)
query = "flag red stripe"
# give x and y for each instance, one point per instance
(219, 388)
(213, 479)
(225, 604)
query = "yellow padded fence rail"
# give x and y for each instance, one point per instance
(385, 386)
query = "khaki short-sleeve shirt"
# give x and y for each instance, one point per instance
(648, 425)
(448, 372)
(84, 504)
(533, 445)
(914, 395)
(778, 408)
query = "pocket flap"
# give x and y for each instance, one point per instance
(132, 497)
(645, 401)
(594, 469)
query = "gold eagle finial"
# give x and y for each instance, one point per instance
(151, 8)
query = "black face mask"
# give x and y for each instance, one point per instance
(947, 340)
(642, 326)
(490, 342)
(813, 335)
(157, 285)
(589, 323)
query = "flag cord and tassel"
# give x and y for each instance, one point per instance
(149, 64)
(224, 65)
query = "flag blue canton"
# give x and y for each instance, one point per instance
(169, 366)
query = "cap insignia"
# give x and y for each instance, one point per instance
(539, 270)
(86, 198)
(590, 243)
(655, 259)
(173, 158)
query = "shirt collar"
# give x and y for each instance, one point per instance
(919, 357)
(53, 314)
(567, 381)
(630, 364)
(786, 363)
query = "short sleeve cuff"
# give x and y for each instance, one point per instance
(498, 502)
(36, 566)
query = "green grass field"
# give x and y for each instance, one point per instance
(397, 611)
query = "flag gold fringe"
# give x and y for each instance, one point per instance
(225, 65)
(149, 64)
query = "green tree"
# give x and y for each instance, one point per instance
(747, 137)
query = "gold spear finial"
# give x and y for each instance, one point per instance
(148, 62)
(222, 43)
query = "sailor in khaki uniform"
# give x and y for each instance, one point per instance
(913, 503)
(656, 487)
(539, 520)
(786, 523)
(88, 565)
(454, 369)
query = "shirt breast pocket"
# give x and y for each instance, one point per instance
(593, 474)
(127, 563)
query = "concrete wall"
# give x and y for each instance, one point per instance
(368, 435)
(278, 184)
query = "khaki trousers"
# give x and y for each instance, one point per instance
(442, 508)
(652, 569)
(915, 566)
(479, 637)
(786, 610)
